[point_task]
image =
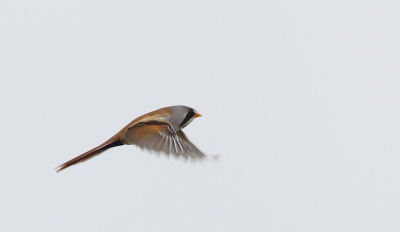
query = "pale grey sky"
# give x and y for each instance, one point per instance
(299, 98)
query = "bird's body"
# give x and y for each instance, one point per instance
(159, 130)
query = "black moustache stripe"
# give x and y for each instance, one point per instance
(189, 115)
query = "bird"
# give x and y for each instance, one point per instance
(159, 131)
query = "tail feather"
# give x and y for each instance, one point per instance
(90, 154)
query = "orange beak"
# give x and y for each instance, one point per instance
(197, 115)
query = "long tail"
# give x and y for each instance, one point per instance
(91, 153)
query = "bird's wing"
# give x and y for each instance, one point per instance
(193, 149)
(159, 136)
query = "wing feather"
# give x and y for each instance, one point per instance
(159, 136)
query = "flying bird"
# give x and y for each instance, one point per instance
(159, 130)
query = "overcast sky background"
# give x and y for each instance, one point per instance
(299, 98)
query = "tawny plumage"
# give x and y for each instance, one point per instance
(159, 131)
